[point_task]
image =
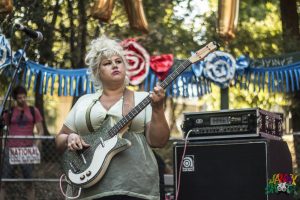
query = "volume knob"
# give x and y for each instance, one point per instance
(82, 177)
(88, 173)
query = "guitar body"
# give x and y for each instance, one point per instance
(86, 167)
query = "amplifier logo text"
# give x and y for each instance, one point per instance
(282, 182)
(188, 164)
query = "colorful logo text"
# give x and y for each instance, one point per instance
(282, 182)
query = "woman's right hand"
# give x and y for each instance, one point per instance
(75, 142)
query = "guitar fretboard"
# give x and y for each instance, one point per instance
(137, 109)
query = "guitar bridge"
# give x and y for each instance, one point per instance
(101, 142)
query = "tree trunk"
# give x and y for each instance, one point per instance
(46, 54)
(290, 25)
(83, 33)
(291, 38)
(72, 34)
(39, 103)
(81, 41)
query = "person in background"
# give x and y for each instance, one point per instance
(20, 120)
(133, 173)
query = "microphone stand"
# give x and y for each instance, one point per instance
(2, 107)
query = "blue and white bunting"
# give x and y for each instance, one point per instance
(4, 52)
(219, 67)
(73, 82)
(279, 74)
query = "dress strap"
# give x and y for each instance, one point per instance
(88, 116)
(128, 101)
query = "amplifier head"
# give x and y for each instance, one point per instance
(240, 123)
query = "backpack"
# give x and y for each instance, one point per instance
(31, 111)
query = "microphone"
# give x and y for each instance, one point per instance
(36, 35)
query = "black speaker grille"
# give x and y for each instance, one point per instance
(235, 170)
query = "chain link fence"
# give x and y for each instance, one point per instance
(45, 175)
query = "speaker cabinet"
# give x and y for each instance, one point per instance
(230, 169)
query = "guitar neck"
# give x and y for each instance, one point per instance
(138, 108)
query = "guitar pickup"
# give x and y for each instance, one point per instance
(74, 168)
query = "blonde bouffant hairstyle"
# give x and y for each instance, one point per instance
(102, 48)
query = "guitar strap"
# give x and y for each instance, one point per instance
(88, 116)
(128, 101)
(128, 104)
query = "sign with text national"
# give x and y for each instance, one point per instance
(24, 155)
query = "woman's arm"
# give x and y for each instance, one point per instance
(67, 138)
(157, 130)
(61, 138)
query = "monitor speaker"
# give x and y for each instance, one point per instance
(230, 169)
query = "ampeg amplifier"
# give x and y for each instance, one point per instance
(238, 169)
(252, 122)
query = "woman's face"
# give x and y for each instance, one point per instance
(112, 70)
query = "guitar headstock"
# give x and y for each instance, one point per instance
(203, 52)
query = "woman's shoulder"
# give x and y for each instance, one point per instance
(88, 97)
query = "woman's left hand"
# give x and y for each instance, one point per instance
(157, 97)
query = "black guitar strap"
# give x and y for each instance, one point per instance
(128, 104)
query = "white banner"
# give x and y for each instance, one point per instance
(24, 155)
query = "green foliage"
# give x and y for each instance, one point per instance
(68, 28)
(258, 35)
(258, 31)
